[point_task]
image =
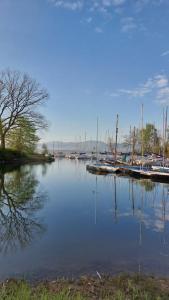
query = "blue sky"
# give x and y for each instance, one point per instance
(95, 57)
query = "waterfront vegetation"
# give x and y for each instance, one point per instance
(121, 287)
(20, 120)
(12, 156)
(20, 98)
(149, 138)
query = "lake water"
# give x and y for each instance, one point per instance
(59, 220)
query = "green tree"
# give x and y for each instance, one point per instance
(20, 96)
(150, 138)
(24, 137)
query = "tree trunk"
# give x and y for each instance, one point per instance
(3, 141)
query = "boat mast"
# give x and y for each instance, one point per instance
(166, 121)
(142, 137)
(84, 147)
(163, 138)
(117, 122)
(133, 146)
(97, 137)
(130, 140)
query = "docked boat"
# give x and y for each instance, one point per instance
(102, 168)
(59, 154)
(154, 175)
(71, 155)
(160, 169)
(83, 156)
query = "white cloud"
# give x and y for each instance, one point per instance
(103, 5)
(157, 85)
(128, 24)
(161, 81)
(69, 4)
(112, 2)
(165, 53)
(163, 95)
(109, 7)
(89, 20)
(91, 4)
(141, 4)
(98, 30)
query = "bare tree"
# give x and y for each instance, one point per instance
(20, 96)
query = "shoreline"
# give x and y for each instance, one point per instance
(119, 287)
(16, 158)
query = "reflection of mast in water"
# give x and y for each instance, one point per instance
(140, 227)
(141, 216)
(132, 196)
(95, 204)
(115, 199)
(163, 214)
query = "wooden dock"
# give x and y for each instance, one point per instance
(142, 173)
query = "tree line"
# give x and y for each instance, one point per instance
(147, 140)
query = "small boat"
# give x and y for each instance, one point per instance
(59, 154)
(104, 168)
(83, 156)
(160, 169)
(71, 155)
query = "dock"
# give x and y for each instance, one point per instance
(149, 174)
(135, 171)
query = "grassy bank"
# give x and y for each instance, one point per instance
(117, 288)
(9, 156)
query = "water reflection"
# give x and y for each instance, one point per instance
(19, 203)
(151, 196)
(105, 223)
(148, 200)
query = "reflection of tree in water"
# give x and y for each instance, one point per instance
(147, 184)
(44, 169)
(19, 201)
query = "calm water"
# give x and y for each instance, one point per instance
(58, 219)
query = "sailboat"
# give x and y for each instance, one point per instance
(102, 168)
(98, 166)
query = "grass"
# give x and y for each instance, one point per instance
(23, 291)
(88, 288)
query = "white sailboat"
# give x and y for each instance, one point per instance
(98, 166)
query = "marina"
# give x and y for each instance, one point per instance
(102, 163)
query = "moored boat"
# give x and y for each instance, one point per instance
(59, 154)
(160, 169)
(104, 168)
(83, 156)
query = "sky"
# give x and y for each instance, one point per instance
(96, 58)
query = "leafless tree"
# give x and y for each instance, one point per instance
(20, 96)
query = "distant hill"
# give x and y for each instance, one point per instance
(87, 146)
